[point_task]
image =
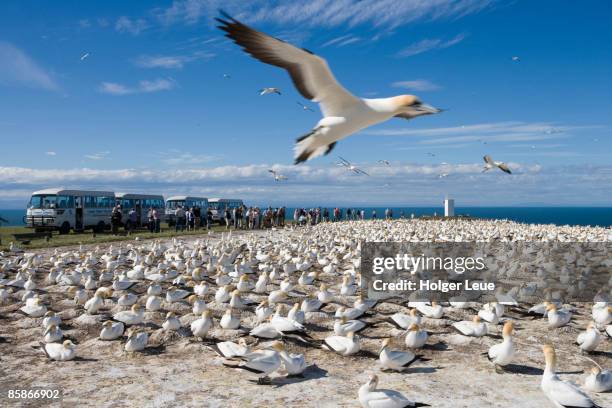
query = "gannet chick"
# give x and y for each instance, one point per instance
(262, 362)
(557, 318)
(263, 311)
(52, 334)
(561, 393)
(137, 341)
(174, 295)
(296, 314)
(172, 323)
(371, 397)
(59, 351)
(294, 364)
(229, 321)
(502, 354)
(343, 326)
(51, 318)
(324, 295)
(598, 380)
(130, 317)
(228, 349)
(416, 338)
(111, 330)
(395, 360)
(589, 339)
(154, 303)
(475, 328)
(34, 308)
(343, 345)
(223, 294)
(199, 305)
(201, 326)
(435, 311)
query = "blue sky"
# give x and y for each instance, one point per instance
(132, 96)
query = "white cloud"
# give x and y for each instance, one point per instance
(144, 86)
(170, 61)
(18, 68)
(421, 85)
(97, 156)
(429, 44)
(126, 25)
(50, 153)
(342, 41)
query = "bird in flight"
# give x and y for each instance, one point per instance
(384, 162)
(490, 164)
(267, 91)
(350, 167)
(305, 107)
(227, 76)
(343, 113)
(431, 154)
(516, 59)
(278, 176)
(84, 56)
(442, 175)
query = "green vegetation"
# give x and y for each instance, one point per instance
(6, 237)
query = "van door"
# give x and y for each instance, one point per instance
(78, 222)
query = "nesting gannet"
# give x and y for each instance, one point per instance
(598, 380)
(229, 349)
(127, 299)
(59, 351)
(556, 317)
(296, 314)
(404, 321)
(490, 164)
(52, 334)
(268, 91)
(261, 361)
(229, 320)
(372, 397)
(130, 317)
(344, 345)
(343, 326)
(435, 311)
(97, 301)
(294, 364)
(137, 341)
(589, 339)
(172, 323)
(199, 305)
(415, 338)
(174, 295)
(344, 114)
(153, 303)
(34, 307)
(561, 393)
(263, 311)
(395, 360)
(51, 318)
(474, 328)
(502, 354)
(602, 313)
(201, 326)
(111, 330)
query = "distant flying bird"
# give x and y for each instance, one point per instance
(305, 107)
(350, 167)
(442, 175)
(552, 131)
(516, 59)
(84, 56)
(227, 76)
(490, 164)
(343, 113)
(267, 91)
(431, 154)
(385, 162)
(277, 176)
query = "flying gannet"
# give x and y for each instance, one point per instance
(490, 164)
(343, 113)
(277, 176)
(268, 91)
(350, 167)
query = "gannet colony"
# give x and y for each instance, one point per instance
(276, 318)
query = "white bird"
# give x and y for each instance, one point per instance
(305, 107)
(589, 339)
(557, 318)
(34, 307)
(343, 326)
(395, 360)
(201, 326)
(474, 328)
(384, 162)
(111, 330)
(561, 393)
(229, 349)
(294, 364)
(130, 317)
(416, 338)
(350, 167)
(598, 380)
(278, 176)
(435, 311)
(268, 91)
(52, 334)
(59, 351)
(229, 321)
(371, 397)
(343, 345)
(502, 354)
(172, 323)
(516, 59)
(137, 341)
(84, 56)
(343, 113)
(490, 164)
(261, 362)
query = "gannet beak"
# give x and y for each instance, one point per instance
(428, 109)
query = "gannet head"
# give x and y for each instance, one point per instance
(507, 330)
(385, 344)
(169, 315)
(107, 324)
(551, 307)
(278, 346)
(476, 319)
(413, 327)
(549, 355)
(206, 314)
(414, 313)
(68, 344)
(372, 382)
(595, 370)
(136, 308)
(411, 106)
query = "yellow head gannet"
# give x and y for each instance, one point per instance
(59, 351)
(435, 311)
(229, 320)
(154, 303)
(294, 364)
(137, 341)
(371, 397)
(589, 339)
(404, 321)
(475, 328)
(344, 114)
(296, 314)
(174, 294)
(343, 326)
(343, 345)
(52, 334)
(415, 338)
(201, 326)
(502, 354)
(602, 313)
(557, 318)
(34, 307)
(561, 393)
(130, 317)
(97, 301)
(172, 323)
(111, 330)
(261, 361)
(51, 318)
(395, 360)
(229, 349)
(598, 380)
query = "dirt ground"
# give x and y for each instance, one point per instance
(177, 371)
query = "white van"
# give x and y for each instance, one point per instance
(63, 210)
(172, 203)
(218, 205)
(141, 203)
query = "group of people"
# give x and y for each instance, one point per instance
(192, 219)
(244, 217)
(313, 216)
(132, 222)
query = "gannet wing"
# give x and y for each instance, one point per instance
(310, 73)
(568, 395)
(336, 343)
(504, 167)
(489, 160)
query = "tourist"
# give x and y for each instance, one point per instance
(116, 216)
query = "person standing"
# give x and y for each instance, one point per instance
(373, 214)
(209, 218)
(190, 219)
(180, 219)
(116, 216)
(197, 217)
(151, 220)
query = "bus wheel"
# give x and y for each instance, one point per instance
(65, 228)
(100, 227)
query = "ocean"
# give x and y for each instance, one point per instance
(594, 216)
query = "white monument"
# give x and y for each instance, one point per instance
(449, 207)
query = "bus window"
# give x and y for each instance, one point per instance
(65, 202)
(90, 202)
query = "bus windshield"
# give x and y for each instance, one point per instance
(43, 201)
(174, 204)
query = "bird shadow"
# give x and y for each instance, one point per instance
(4, 340)
(439, 346)
(528, 370)
(84, 359)
(606, 354)
(311, 372)
(154, 350)
(315, 327)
